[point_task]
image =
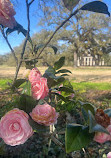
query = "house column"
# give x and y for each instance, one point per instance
(84, 62)
(88, 61)
(91, 61)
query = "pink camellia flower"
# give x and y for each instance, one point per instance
(101, 137)
(14, 127)
(39, 88)
(6, 14)
(44, 115)
(109, 155)
(34, 75)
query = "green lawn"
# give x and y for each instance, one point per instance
(4, 83)
(91, 86)
(82, 86)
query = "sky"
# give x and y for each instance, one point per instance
(16, 39)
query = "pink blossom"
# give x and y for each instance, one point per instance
(72, 95)
(101, 137)
(39, 88)
(6, 14)
(14, 127)
(34, 75)
(44, 115)
(109, 155)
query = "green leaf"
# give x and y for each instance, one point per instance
(89, 106)
(51, 78)
(70, 4)
(93, 126)
(108, 112)
(65, 75)
(54, 48)
(49, 72)
(19, 82)
(2, 148)
(96, 6)
(26, 103)
(18, 28)
(63, 71)
(69, 88)
(27, 89)
(58, 64)
(30, 63)
(85, 115)
(77, 137)
(37, 127)
(68, 106)
(61, 97)
(42, 45)
(67, 83)
(99, 128)
(58, 82)
(65, 89)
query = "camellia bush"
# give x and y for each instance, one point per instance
(43, 98)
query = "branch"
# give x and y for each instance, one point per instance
(31, 2)
(13, 53)
(62, 24)
(25, 42)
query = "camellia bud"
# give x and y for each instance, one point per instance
(26, 73)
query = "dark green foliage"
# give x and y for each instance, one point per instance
(26, 103)
(18, 82)
(42, 45)
(18, 28)
(96, 6)
(93, 126)
(59, 63)
(37, 127)
(77, 137)
(108, 112)
(63, 71)
(70, 4)
(65, 89)
(27, 88)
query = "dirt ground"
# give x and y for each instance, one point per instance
(94, 74)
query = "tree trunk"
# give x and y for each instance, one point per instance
(75, 59)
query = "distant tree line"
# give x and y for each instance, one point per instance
(86, 32)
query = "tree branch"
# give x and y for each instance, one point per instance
(13, 53)
(58, 28)
(31, 2)
(25, 42)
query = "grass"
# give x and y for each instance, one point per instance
(4, 83)
(91, 86)
(83, 86)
